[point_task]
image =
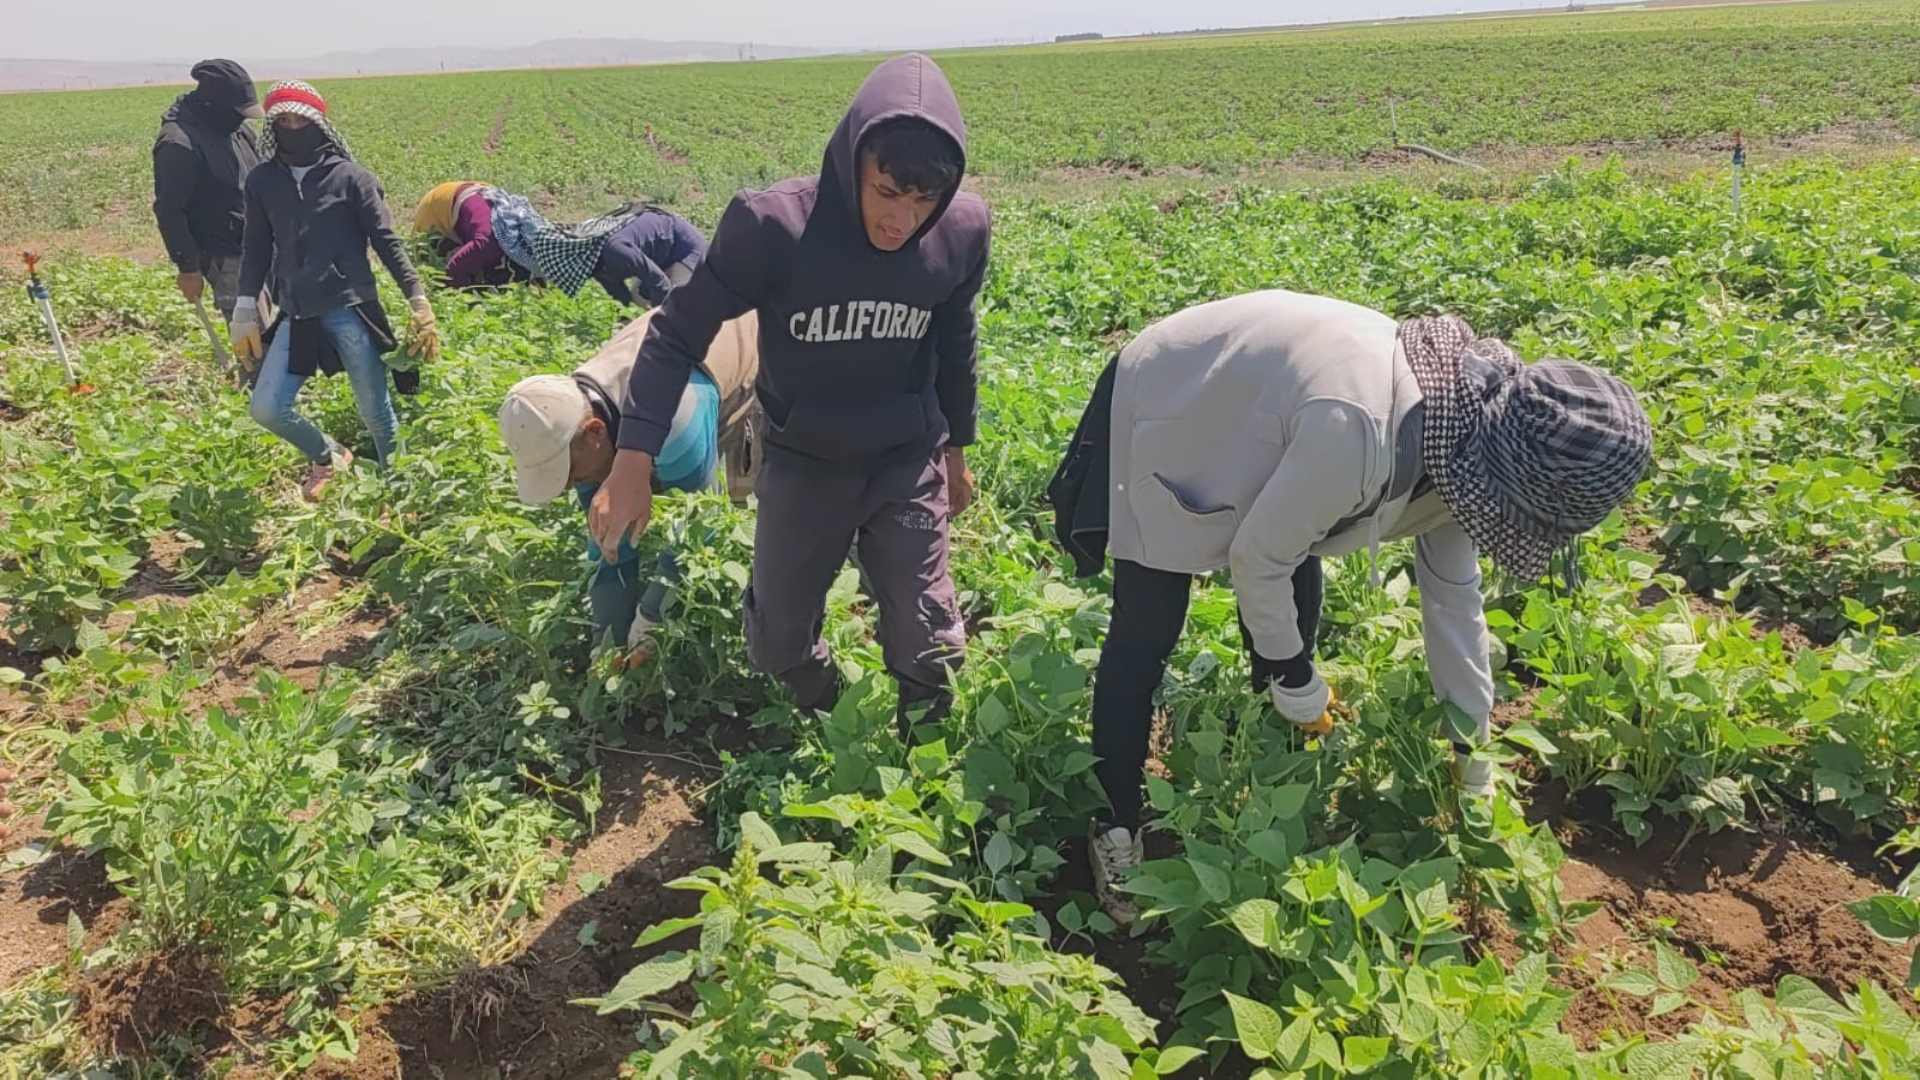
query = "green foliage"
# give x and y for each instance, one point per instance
(256, 833)
(1313, 909)
(690, 135)
(815, 964)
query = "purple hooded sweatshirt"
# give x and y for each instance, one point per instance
(866, 356)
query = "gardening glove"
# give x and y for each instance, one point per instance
(1309, 707)
(423, 331)
(244, 333)
(639, 641)
(1472, 775)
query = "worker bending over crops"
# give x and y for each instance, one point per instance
(1263, 432)
(312, 211)
(459, 214)
(864, 279)
(638, 253)
(563, 430)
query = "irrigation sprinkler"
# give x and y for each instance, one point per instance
(43, 299)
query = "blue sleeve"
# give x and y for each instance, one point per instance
(736, 275)
(625, 555)
(689, 458)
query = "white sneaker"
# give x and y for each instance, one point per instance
(1115, 853)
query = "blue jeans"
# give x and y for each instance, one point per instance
(617, 591)
(275, 390)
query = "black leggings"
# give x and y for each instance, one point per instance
(1149, 609)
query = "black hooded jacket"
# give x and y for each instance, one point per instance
(199, 165)
(307, 240)
(867, 357)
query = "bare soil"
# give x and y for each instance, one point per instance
(498, 133)
(279, 643)
(667, 152)
(1746, 908)
(36, 903)
(127, 1009)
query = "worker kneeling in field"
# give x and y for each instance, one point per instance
(638, 253)
(1263, 432)
(562, 430)
(864, 280)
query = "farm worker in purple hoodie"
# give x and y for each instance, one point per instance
(865, 279)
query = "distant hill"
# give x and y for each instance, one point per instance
(16, 74)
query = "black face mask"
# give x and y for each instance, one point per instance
(300, 146)
(218, 115)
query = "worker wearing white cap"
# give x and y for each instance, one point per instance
(561, 431)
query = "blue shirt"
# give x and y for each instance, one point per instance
(687, 460)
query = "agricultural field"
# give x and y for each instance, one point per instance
(339, 790)
(1043, 118)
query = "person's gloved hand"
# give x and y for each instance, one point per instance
(639, 642)
(1473, 775)
(1308, 707)
(244, 333)
(423, 330)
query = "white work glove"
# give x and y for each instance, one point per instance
(639, 641)
(1306, 707)
(1473, 775)
(244, 332)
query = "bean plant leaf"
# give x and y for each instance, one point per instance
(912, 843)
(1894, 918)
(1175, 1058)
(1637, 983)
(1363, 1052)
(1216, 881)
(651, 979)
(1253, 918)
(999, 853)
(1676, 972)
(1256, 1025)
(661, 931)
(666, 1064)
(755, 830)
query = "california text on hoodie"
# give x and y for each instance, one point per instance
(867, 357)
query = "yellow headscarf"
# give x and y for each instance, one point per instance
(435, 212)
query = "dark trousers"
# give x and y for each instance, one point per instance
(896, 521)
(1149, 610)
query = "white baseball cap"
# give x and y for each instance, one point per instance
(538, 420)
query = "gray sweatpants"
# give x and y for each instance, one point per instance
(222, 274)
(896, 521)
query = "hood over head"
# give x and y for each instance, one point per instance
(906, 86)
(223, 93)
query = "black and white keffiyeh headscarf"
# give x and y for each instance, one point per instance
(295, 101)
(1526, 456)
(561, 255)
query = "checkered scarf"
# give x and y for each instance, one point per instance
(269, 145)
(1526, 457)
(562, 255)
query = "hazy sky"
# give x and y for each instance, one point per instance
(263, 29)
